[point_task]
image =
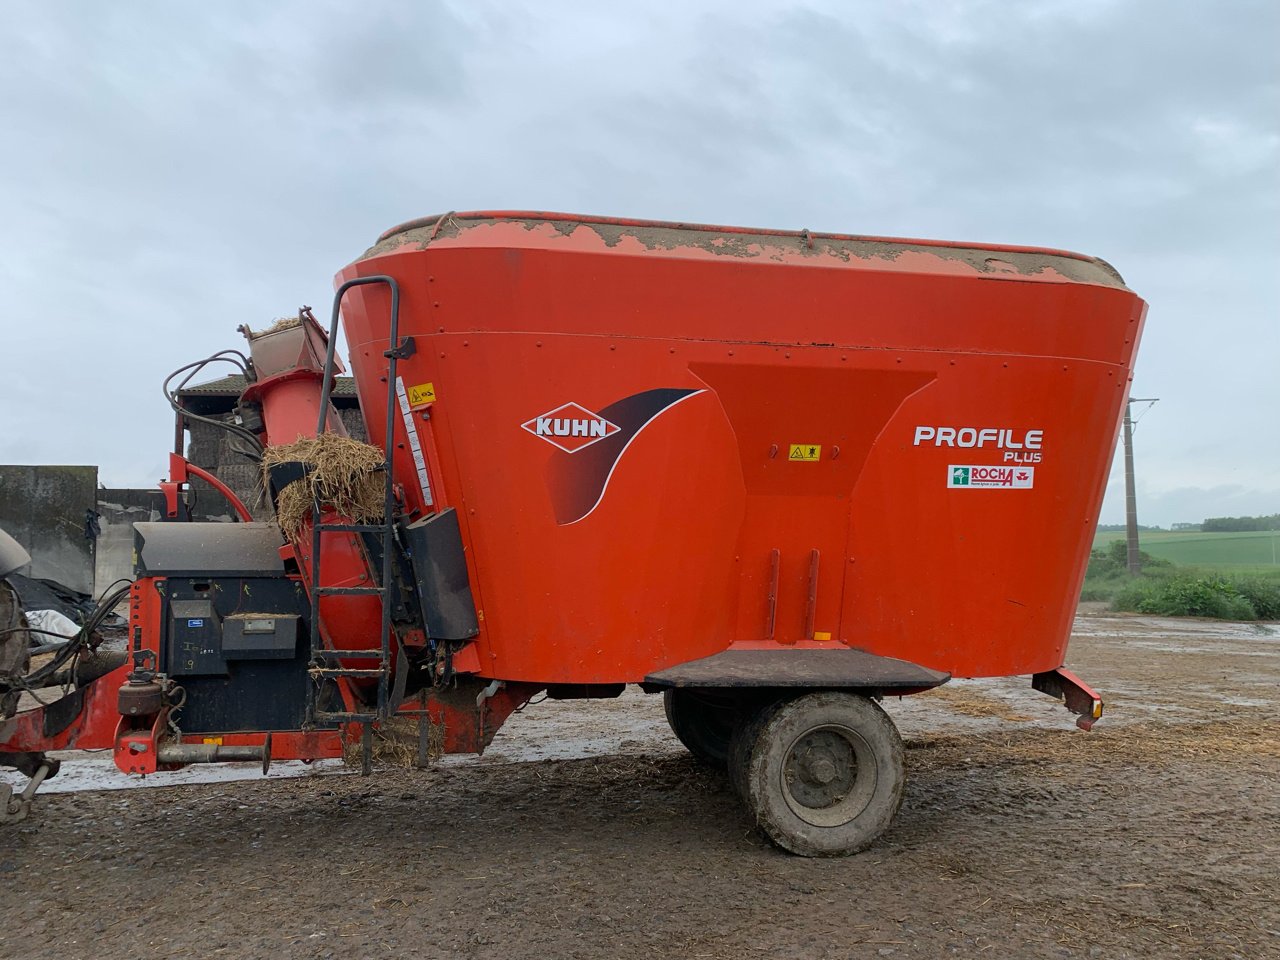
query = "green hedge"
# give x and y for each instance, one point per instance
(1171, 591)
(1201, 595)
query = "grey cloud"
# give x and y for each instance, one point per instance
(173, 170)
(1189, 504)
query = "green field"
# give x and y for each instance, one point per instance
(1236, 552)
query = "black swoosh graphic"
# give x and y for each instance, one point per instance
(577, 481)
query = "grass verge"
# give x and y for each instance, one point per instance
(1170, 591)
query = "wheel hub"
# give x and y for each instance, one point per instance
(821, 769)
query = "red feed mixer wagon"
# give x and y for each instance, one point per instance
(774, 476)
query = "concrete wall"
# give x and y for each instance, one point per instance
(119, 510)
(43, 508)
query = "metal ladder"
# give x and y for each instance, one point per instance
(322, 664)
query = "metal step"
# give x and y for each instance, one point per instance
(351, 527)
(347, 654)
(347, 591)
(330, 716)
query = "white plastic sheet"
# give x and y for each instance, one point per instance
(53, 622)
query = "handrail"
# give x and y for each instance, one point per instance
(396, 352)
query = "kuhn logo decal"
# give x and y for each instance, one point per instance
(977, 475)
(577, 485)
(571, 427)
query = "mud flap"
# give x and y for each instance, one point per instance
(827, 669)
(1076, 695)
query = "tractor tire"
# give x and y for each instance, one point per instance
(743, 740)
(822, 774)
(703, 722)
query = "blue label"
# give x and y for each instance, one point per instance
(195, 623)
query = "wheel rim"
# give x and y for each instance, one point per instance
(828, 775)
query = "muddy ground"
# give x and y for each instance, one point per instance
(1157, 835)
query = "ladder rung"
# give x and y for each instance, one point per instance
(348, 654)
(325, 716)
(347, 591)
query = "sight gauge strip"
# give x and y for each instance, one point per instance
(415, 445)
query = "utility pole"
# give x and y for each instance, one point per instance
(1130, 495)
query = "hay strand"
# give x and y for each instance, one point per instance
(345, 476)
(283, 323)
(395, 744)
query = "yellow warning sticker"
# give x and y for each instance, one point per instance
(216, 741)
(805, 453)
(421, 394)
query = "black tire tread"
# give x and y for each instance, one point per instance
(690, 717)
(757, 776)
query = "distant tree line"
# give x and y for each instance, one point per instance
(1120, 527)
(1241, 524)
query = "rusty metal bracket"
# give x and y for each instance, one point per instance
(404, 351)
(15, 810)
(811, 600)
(1076, 695)
(775, 569)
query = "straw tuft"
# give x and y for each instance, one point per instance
(395, 744)
(346, 476)
(283, 323)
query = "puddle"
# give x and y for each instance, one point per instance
(1169, 628)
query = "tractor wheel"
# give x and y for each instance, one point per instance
(743, 740)
(703, 722)
(822, 773)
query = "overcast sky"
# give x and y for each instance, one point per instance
(171, 170)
